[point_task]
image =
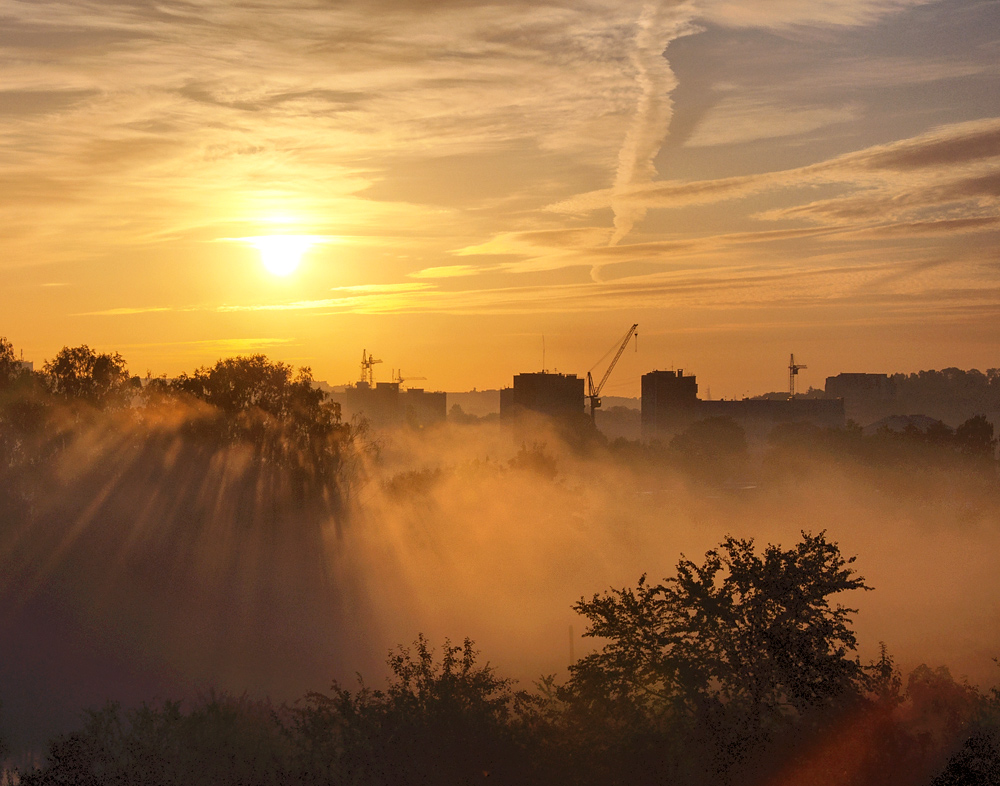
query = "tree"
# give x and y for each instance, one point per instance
(10, 366)
(715, 447)
(447, 721)
(281, 413)
(244, 384)
(81, 373)
(975, 437)
(221, 740)
(756, 633)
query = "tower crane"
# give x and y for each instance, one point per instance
(397, 376)
(367, 362)
(793, 370)
(594, 392)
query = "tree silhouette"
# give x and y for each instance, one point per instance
(757, 630)
(242, 385)
(725, 654)
(10, 366)
(714, 448)
(448, 721)
(974, 438)
(220, 740)
(80, 373)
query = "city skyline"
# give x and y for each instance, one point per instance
(448, 186)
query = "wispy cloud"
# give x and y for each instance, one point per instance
(538, 144)
(219, 344)
(447, 271)
(955, 167)
(124, 311)
(781, 14)
(652, 116)
(738, 120)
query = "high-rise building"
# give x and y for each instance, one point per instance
(558, 395)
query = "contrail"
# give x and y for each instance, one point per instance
(652, 118)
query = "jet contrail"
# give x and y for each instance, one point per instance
(652, 118)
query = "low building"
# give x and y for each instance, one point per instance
(386, 404)
(868, 386)
(867, 397)
(670, 404)
(556, 395)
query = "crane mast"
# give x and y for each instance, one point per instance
(793, 370)
(368, 361)
(594, 391)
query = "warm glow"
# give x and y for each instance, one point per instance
(281, 254)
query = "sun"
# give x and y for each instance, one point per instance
(281, 254)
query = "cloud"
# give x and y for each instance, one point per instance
(142, 125)
(124, 311)
(220, 344)
(738, 120)
(964, 143)
(952, 168)
(447, 271)
(782, 14)
(356, 298)
(555, 239)
(364, 289)
(951, 226)
(202, 113)
(652, 116)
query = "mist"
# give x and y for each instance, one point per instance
(144, 561)
(493, 531)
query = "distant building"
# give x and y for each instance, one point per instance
(670, 404)
(557, 395)
(422, 407)
(869, 386)
(386, 404)
(668, 399)
(867, 397)
(901, 423)
(27, 365)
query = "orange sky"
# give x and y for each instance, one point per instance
(743, 179)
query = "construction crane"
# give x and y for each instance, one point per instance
(367, 362)
(594, 392)
(397, 376)
(793, 370)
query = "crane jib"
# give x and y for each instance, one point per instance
(593, 393)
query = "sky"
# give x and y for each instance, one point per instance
(472, 190)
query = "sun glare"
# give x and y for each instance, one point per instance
(281, 254)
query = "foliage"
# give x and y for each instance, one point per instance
(536, 460)
(10, 366)
(447, 721)
(744, 644)
(912, 463)
(977, 762)
(280, 413)
(81, 373)
(222, 740)
(974, 438)
(242, 385)
(714, 448)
